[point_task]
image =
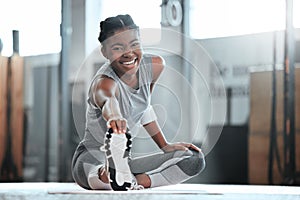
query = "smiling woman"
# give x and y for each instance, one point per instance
(119, 100)
(123, 51)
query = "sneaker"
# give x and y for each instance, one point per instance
(117, 148)
(135, 185)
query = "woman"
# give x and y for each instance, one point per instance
(119, 101)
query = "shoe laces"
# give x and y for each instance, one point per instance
(135, 186)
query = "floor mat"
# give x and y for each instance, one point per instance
(174, 189)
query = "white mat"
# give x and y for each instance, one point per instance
(207, 189)
(174, 189)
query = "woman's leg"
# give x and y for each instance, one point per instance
(90, 167)
(168, 168)
(117, 149)
(86, 165)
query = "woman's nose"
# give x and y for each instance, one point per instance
(128, 52)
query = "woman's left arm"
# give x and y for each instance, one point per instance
(158, 137)
(158, 65)
(153, 128)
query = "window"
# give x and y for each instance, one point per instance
(219, 18)
(296, 13)
(146, 14)
(38, 23)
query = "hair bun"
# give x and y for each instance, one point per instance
(111, 24)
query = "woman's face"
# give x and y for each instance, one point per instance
(123, 49)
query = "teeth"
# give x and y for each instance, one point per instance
(129, 63)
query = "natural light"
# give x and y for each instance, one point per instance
(219, 18)
(38, 23)
(147, 14)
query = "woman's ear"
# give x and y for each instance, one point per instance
(103, 52)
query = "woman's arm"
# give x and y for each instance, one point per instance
(155, 132)
(158, 65)
(158, 137)
(153, 128)
(103, 93)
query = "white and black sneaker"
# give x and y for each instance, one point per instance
(117, 148)
(135, 185)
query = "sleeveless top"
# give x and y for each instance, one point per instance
(132, 102)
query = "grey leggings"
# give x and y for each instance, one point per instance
(162, 168)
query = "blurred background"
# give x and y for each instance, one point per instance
(231, 85)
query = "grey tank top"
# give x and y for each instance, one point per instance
(132, 102)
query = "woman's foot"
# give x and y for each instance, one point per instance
(103, 175)
(144, 180)
(117, 147)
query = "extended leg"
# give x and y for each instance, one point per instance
(169, 168)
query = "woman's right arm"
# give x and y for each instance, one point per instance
(103, 93)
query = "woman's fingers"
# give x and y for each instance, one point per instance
(191, 146)
(181, 147)
(121, 125)
(195, 148)
(118, 125)
(174, 147)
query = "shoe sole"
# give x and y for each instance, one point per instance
(118, 166)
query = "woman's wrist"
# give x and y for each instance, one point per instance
(163, 146)
(114, 118)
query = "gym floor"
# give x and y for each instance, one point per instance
(63, 191)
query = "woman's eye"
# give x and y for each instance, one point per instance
(135, 44)
(117, 49)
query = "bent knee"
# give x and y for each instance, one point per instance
(96, 184)
(202, 163)
(192, 165)
(80, 179)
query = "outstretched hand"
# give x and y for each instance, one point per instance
(118, 125)
(181, 146)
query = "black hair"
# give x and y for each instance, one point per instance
(112, 24)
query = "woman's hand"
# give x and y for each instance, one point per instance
(118, 124)
(181, 146)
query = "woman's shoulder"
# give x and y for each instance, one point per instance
(104, 69)
(155, 59)
(103, 78)
(157, 65)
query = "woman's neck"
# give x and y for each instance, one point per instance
(132, 80)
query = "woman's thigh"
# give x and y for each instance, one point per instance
(154, 161)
